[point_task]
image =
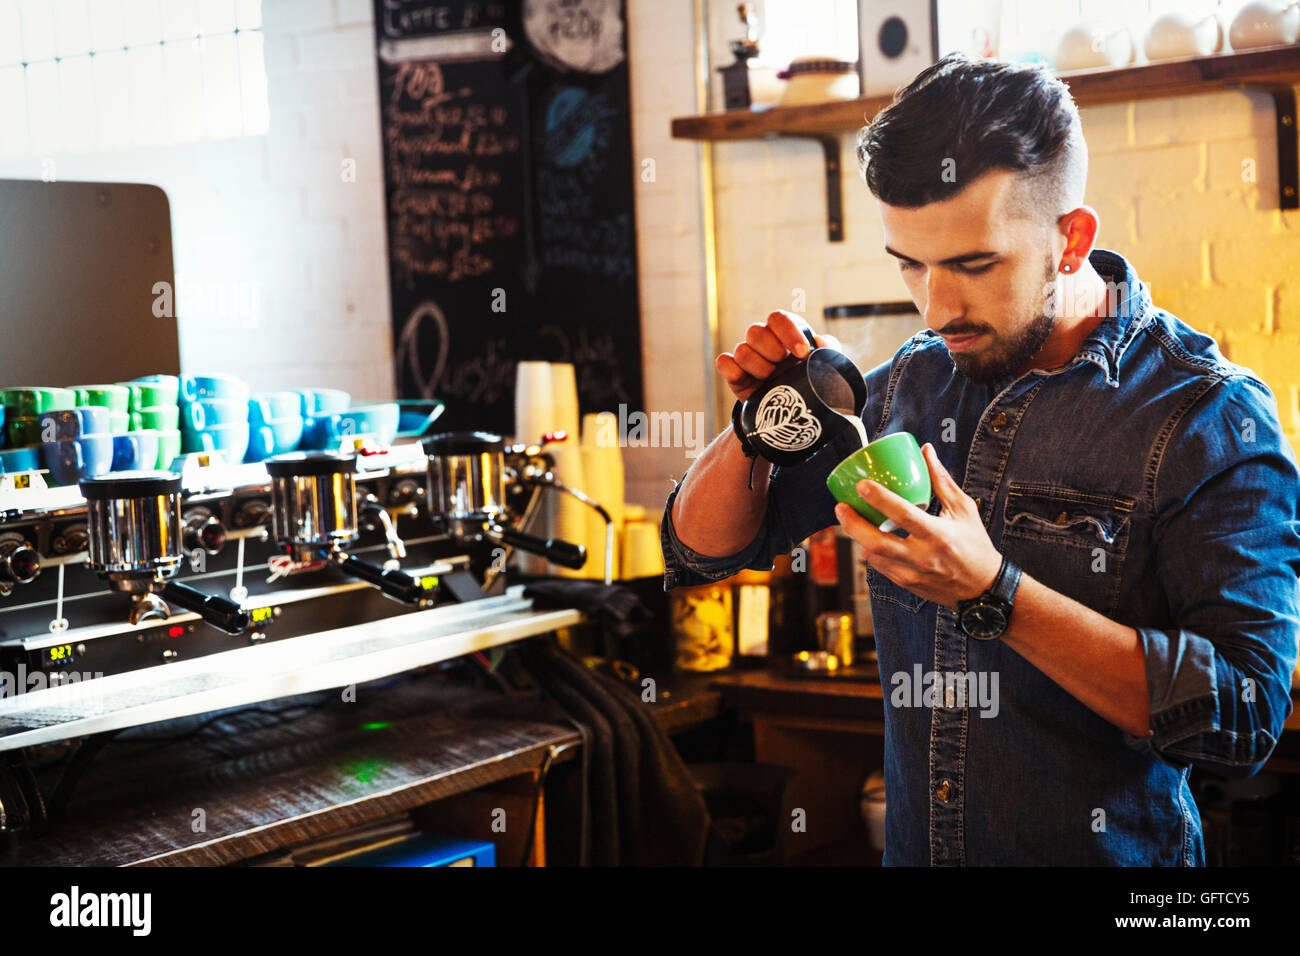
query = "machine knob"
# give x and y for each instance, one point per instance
(72, 541)
(19, 563)
(204, 532)
(252, 514)
(404, 492)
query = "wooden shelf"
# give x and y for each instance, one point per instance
(1264, 68)
(1275, 70)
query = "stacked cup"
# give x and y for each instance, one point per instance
(274, 424)
(22, 423)
(154, 419)
(214, 413)
(602, 467)
(546, 400)
(76, 443)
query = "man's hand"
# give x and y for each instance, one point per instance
(766, 347)
(946, 557)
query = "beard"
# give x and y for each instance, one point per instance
(1007, 355)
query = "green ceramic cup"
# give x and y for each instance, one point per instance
(894, 461)
(109, 396)
(31, 402)
(151, 394)
(119, 423)
(159, 417)
(169, 446)
(22, 430)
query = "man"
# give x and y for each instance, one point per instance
(1113, 535)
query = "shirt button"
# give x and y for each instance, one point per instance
(1062, 518)
(944, 790)
(999, 420)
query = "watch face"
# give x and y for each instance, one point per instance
(984, 621)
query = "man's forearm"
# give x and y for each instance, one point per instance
(715, 513)
(1096, 660)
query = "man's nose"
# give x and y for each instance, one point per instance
(942, 304)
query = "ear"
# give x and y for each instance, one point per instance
(1079, 228)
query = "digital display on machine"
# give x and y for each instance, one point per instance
(58, 654)
(429, 582)
(261, 615)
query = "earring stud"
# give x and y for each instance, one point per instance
(1065, 268)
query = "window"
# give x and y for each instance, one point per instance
(81, 76)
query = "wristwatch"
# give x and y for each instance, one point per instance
(987, 616)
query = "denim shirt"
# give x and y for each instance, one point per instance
(1148, 479)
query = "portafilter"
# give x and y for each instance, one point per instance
(314, 517)
(135, 538)
(468, 476)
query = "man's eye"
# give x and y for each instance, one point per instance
(903, 264)
(976, 270)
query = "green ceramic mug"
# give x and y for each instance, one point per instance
(895, 461)
(169, 446)
(110, 396)
(22, 430)
(151, 394)
(30, 402)
(160, 417)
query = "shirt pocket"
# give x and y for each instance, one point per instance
(1071, 540)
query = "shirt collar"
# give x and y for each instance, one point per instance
(1128, 310)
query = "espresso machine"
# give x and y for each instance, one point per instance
(145, 596)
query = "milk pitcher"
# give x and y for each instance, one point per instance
(803, 405)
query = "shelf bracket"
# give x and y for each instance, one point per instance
(834, 186)
(1288, 144)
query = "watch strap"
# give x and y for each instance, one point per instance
(1007, 582)
(744, 443)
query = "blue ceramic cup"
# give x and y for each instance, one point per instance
(278, 436)
(71, 423)
(379, 421)
(27, 458)
(135, 451)
(230, 440)
(70, 461)
(265, 406)
(195, 387)
(2, 426)
(207, 412)
(323, 401)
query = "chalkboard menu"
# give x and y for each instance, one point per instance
(509, 177)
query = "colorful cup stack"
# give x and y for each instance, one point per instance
(146, 423)
(154, 424)
(275, 424)
(214, 415)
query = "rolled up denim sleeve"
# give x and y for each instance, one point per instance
(684, 567)
(1227, 553)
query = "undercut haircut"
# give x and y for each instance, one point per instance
(961, 118)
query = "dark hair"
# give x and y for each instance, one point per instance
(968, 117)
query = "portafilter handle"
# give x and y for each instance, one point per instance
(394, 583)
(552, 549)
(220, 612)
